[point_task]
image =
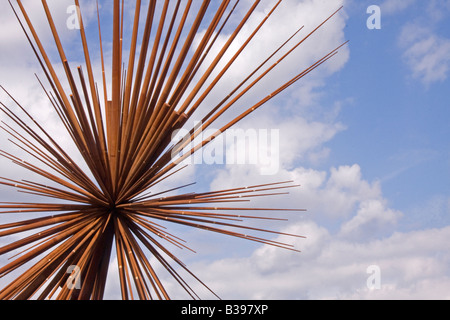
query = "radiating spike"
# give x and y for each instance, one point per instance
(124, 140)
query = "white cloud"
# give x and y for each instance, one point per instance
(371, 220)
(307, 137)
(338, 193)
(413, 266)
(426, 49)
(339, 196)
(426, 53)
(288, 17)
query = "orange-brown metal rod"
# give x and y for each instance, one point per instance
(96, 104)
(201, 82)
(61, 92)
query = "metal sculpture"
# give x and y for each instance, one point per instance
(126, 143)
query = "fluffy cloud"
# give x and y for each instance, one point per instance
(426, 53)
(372, 218)
(348, 227)
(336, 194)
(288, 18)
(412, 265)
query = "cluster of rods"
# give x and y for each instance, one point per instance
(126, 144)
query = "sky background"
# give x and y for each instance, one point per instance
(366, 135)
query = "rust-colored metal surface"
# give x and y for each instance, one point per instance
(125, 140)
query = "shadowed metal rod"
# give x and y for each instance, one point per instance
(111, 208)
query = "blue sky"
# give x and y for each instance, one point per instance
(366, 135)
(397, 125)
